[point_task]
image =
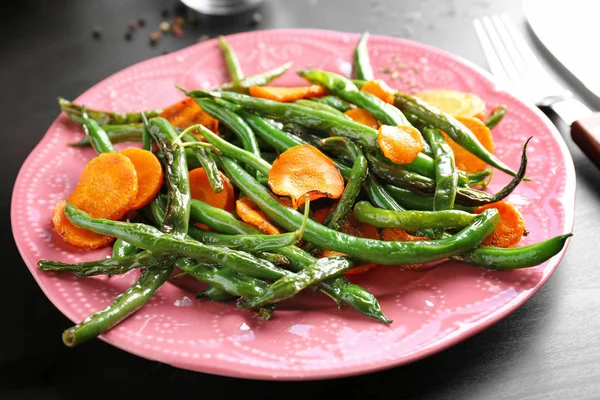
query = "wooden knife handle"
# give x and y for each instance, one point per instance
(586, 133)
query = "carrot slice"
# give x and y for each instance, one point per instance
(380, 89)
(465, 160)
(75, 235)
(305, 170)
(400, 144)
(321, 213)
(362, 116)
(287, 94)
(454, 102)
(251, 214)
(400, 235)
(200, 190)
(186, 113)
(149, 175)
(107, 188)
(510, 230)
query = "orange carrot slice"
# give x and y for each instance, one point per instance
(510, 230)
(75, 235)
(465, 160)
(287, 94)
(186, 113)
(400, 144)
(107, 188)
(380, 89)
(200, 190)
(321, 213)
(362, 116)
(305, 170)
(251, 214)
(454, 102)
(149, 175)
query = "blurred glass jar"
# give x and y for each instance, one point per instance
(222, 7)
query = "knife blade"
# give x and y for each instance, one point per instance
(565, 28)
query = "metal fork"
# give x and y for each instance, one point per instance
(513, 63)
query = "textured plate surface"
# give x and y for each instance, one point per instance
(309, 338)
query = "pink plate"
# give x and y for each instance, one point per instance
(309, 338)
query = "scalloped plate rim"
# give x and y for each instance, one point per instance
(568, 199)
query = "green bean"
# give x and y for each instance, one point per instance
(257, 80)
(346, 90)
(116, 134)
(149, 238)
(208, 163)
(178, 203)
(124, 305)
(338, 214)
(453, 128)
(496, 116)
(122, 248)
(498, 258)
(339, 289)
(146, 136)
(320, 106)
(215, 294)
(412, 220)
(464, 195)
(111, 266)
(334, 102)
(289, 286)
(376, 251)
(415, 201)
(233, 122)
(73, 111)
(279, 139)
(233, 65)
(362, 64)
(299, 114)
(96, 135)
(274, 258)
(446, 175)
(223, 279)
(379, 196)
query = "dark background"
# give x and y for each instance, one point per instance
(549, 348)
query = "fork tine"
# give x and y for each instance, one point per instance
(511, 49)
(490, 54)
(503, 55)
(529, 59)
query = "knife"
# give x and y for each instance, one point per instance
(561, 26)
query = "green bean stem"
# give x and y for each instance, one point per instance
(257, 80)
(73, 111)
(231, 60)
(496, 116)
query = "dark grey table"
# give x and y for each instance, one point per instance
(549, 348)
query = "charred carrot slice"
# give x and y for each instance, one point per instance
(362, 116)
(186, 113)
(305, 170)
(400, 144)
(200, 189)
(251, 214)
(454, 102)
(510, 230)
(464, 159)
(107, 188)
(75, 235)
(380, 89)
(287, 94)
(149, 175)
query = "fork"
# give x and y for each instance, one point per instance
(513, 64)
